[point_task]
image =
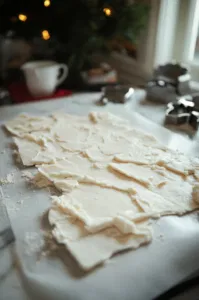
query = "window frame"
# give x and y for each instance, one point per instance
(156, 44)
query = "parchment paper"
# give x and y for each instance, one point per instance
(142, 274)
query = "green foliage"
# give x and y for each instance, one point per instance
(131, 21)
(78, 27)
(84, 27)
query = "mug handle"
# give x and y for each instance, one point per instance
(63, 75)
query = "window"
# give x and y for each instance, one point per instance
(172, 35)
(178, 37)
(138, 71)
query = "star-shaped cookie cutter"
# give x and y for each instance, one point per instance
(182, 112)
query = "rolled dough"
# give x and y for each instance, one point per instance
(114, 180)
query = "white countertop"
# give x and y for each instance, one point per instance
(12, 286)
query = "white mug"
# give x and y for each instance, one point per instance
(42, 77)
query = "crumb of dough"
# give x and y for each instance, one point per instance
(27, 174)
(8, 179)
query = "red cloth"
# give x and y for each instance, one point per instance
(20, 94)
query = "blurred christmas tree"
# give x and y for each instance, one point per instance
(81, 27)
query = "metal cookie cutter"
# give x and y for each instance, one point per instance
(116, 94)
(182, 112)
(168, 81)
